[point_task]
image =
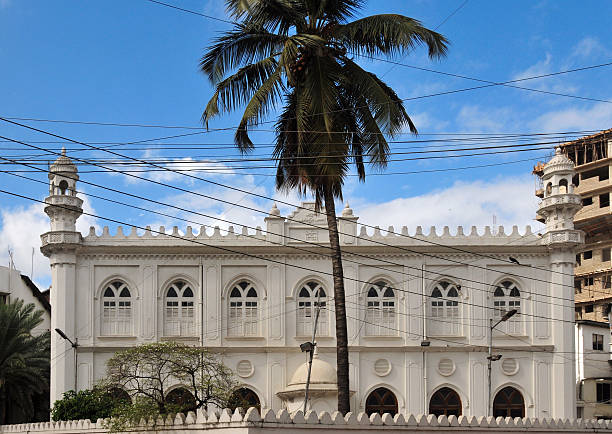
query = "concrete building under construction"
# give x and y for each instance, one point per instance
(592, 156)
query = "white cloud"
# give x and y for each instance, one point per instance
(590, 47)
(511, 200)
(189, 166)
(596, 117)
(549, 84)
(476, 119)
(539, 68)
(20, 230)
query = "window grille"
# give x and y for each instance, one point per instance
(506, 297)
(243, 315)
(117, 310)
(444, 309)
(381, 310)
(307, 309)
(179, 310)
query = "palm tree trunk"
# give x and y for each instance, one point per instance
(342, 355)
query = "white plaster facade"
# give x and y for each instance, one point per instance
(14, 285)
(259, 332)
(593, 370)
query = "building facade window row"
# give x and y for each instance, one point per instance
(244, 309)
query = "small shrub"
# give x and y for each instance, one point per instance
(89, 404)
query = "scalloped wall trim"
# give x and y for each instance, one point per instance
(281, 421)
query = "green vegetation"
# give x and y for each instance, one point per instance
(24, 364)
(84, 404)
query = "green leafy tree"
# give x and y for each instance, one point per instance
(299, 55)
(92, 404)
(24, 361)
(150, 371)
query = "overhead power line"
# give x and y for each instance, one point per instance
(219, 184)
(255, 256)
(490, 83)
(232, 222)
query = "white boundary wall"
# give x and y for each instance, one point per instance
(282, 422)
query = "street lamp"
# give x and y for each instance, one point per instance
(74, 345)
(496, 357)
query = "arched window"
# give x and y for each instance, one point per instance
(180, 400)
(505, 298)
(381, 401)
(179, 314)
(310, 296)
(509, 402)
(242, 318)
(563, 186)
(244, 398)
(63, 186)
(444, 314)
(119, 395)
(380, 311)
(549, 189)
(445, 401)
(117, 310)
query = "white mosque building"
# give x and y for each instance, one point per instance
(419, 305)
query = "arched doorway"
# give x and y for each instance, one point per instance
(119, 395)
(180, 400)
(445, 401)
(509, 402)
(245, 398)
(381, 401)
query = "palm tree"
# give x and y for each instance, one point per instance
(298, 54)
(24, 361)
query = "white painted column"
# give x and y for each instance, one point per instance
(563, 363)
(63, 296)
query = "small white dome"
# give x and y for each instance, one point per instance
(63, 164)
(322, 373)
(558, 163)
(347, 211)
(274, 212)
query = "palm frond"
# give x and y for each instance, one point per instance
(264, 98)
(238, 89)
(389, 34)
(241, 46)
(273, 15)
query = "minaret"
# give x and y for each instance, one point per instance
(558, 208)
(59, 244)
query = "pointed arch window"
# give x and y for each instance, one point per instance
(445, 402)
(509, 402)
(311, 296)
(381, 401)
(179, 314)
(507, 296)
(381, 307)
(117, 310)
(243, 315)
(444, 309)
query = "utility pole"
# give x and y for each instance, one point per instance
(74, 345)
(491, 357)
(310, 347)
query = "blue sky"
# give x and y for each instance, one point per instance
(137, 62)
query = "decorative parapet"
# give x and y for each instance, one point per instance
(64, 201)
(60, 237)
(563, 238)
(553, 201)
(283, 422)
(366, 237)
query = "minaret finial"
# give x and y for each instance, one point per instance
(63, 151)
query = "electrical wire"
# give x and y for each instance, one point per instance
(219, 184)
